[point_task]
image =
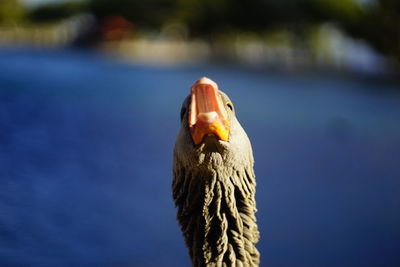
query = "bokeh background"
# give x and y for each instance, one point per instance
(90, 94)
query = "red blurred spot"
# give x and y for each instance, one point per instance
(115, 28)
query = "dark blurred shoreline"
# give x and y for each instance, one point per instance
(387, 78)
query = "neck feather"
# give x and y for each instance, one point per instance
(216, 212)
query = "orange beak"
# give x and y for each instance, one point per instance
(207, 114)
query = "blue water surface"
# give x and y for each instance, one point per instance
(86, 150)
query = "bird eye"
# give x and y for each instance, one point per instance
(230, 106)
(183, 111)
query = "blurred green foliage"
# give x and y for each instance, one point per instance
(11, 12)
(205, 17)
(380, 27)
(146, 14)
(378, 22)
(56, 11)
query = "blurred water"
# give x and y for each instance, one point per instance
(85, 162)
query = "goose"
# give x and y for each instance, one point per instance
(214, 182)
